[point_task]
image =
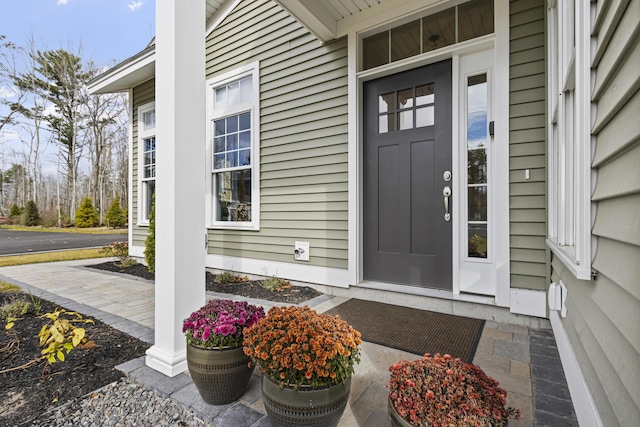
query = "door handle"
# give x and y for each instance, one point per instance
(446, 192)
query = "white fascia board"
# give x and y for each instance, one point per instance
(129, 73)
(313, 16)
(220, 15)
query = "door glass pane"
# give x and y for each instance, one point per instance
(475, 19)
(386, 102)
(405, 120)
(478, 203)
(424, 94)
(386, 123)
(477, 166)
(477, 243)
(424, 116)
(405, 41)
(405, 98)
(439, 30)
(375, 50)
(233, 193)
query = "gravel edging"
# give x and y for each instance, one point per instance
(125, 402)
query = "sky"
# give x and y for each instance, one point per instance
(105, 32)
(109, 31)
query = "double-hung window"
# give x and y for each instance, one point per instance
(233, 119)
(569, 136)
(146, 160)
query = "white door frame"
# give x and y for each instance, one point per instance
(499, 43)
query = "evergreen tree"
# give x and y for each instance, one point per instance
(86, 215)
(30, 216)
(150, 241)
(15, 211)
(116, 216)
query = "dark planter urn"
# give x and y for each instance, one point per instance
(221, 376)
(304, 407)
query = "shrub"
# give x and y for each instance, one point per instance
(14, 309)
(229, 277)
(116, 216)
(275, 283)
(86, 215)
(119, 250)
(30, 215)
(15, 211)
(150, 241)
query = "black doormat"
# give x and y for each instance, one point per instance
(412, 330)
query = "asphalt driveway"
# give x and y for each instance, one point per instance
(20, 242)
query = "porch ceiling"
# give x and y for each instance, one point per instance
(331, 19)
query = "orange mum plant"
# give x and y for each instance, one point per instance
(300, 347)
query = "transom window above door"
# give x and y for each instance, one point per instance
(454, 25)
(408, 108)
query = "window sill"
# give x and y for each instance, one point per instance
(234, 227)
(566, 255)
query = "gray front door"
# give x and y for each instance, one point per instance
(407, 150)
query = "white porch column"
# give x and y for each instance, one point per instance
(180, 178)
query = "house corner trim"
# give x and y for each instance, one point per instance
(583, 403)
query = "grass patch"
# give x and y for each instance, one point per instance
(8, 287)
(94, 230)
(50, 257)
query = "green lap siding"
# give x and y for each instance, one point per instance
(142, 94)
(527, 145)
(303, 134)
(604, 325)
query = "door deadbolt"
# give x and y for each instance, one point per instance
(446, 176)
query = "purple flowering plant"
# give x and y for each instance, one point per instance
(220, 323)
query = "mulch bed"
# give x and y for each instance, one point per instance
(249, 289)
(27, 393)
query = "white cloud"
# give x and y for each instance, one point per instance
(62, 2)
(6, 92)
(135, 5)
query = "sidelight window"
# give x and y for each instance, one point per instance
(477, 177)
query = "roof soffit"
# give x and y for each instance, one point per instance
(332, 19)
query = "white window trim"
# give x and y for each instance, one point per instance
(143, 219)
(576, 255)
(253, 70)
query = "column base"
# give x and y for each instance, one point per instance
(165, 363)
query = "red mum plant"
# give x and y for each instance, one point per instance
(298, 346)
(220, 323)
(443, 391)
